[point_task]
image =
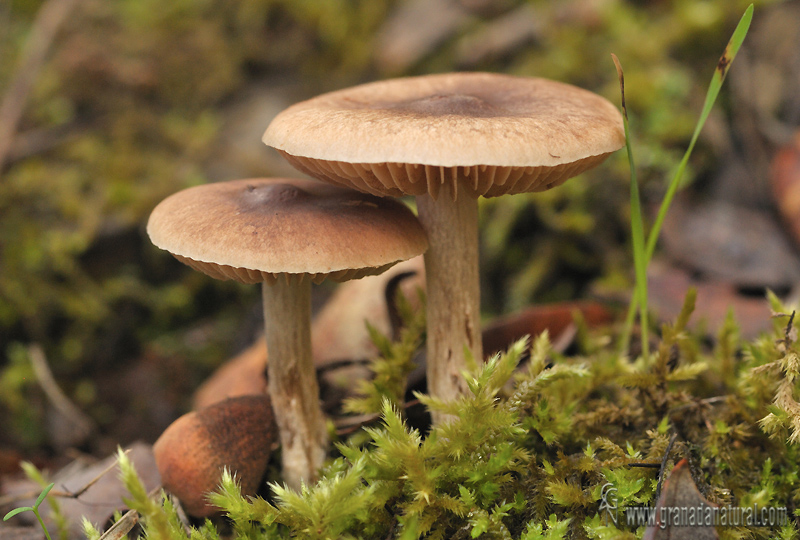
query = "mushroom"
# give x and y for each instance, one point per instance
(286, 234)
(448, 139)
(236, 434)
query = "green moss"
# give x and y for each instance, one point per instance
(528, 450)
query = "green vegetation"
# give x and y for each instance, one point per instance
(540, 433)
(531, 446)
(643, 254)
(535, 440)
(34, 509)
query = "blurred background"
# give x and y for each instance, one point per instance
(106, 107)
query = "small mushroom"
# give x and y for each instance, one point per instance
(286, 234)
(448, 139)
(192, 452)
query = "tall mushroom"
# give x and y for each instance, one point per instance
(286, 234)
(448, 139)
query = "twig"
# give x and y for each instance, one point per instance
(83, 424)
(787, 333)
(93, 481)
(706, 401)
(344, 362)
(48, 20)
(122, 527)
(66, 493)
(9, 499)
(349, 424)
(664, 465)
(390, 295)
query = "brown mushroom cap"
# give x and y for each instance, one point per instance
(252, 230)
(237, 433)
(496, 133)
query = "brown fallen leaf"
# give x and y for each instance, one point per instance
(500, 333)
(499, 38)
(681, 496)
(414, 30)
(667, 287)
(727, 242)
(10, 532)
(338, 333)
(99, 502)
(785, 180)
(242, 375)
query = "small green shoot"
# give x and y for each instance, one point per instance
(34, 509)
(644, 252)
(637, 224)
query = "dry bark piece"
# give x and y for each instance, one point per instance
(449, 139)
(237, 433)
(286, 233)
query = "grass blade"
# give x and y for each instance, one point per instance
(637, 222)
(720, 72)
(16, 511)
(42, 495)
(724, 64)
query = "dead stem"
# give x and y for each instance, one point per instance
(48, 20)
(84, 426)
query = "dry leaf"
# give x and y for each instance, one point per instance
(500, 333)
(680, 492)
(667, 287)
(100, 500)
(242, 375)
(730, 243)
(785, 179)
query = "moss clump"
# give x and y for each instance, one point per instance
(529, 449)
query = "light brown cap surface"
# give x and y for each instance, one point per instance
(252, 230)
(495, 133)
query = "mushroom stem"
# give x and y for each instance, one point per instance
(453, 289)
(292, 380)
